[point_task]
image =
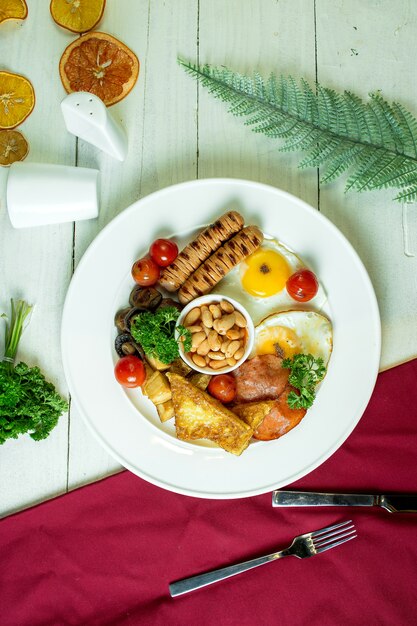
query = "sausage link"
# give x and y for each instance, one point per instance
(220, 263)
(207, 242)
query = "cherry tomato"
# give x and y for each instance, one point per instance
(223, 387)
(163, 252)
(130, 371)
(145, 272)
(302, 285)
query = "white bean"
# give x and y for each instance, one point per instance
(197, 338)
(192, 316)
(199, 360)
(226, 306)
(217, 365)
(240, 320)
(215, 311)
(232, 348)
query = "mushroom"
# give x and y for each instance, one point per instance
(131, 315)
(170, 302)
(125, 345)
(145, 297)
(119, 319)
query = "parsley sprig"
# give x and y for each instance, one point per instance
(28, 402)
(157, 334)
(306, 372)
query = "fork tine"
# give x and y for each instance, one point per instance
(326, 536)
(321, 531)
(324, 542)
(333, 545)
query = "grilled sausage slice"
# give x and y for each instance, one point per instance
(207, 242)
(220, 263)
(280, 420)
(260, 378)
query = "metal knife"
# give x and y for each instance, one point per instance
(393, 503)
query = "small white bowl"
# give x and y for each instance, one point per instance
(212, 298)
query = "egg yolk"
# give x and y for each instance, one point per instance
(278, 340)
(266, 273)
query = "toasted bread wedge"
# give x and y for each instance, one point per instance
(253, 413)
(199, 416)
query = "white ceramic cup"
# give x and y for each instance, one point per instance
(42, 193)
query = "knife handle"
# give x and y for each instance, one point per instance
(306, 498)
(399, 503)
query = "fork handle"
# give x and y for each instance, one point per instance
(202, 580)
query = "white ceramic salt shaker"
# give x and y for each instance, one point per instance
(87, 117)
(42, 193)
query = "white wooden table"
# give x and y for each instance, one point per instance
(178, 132)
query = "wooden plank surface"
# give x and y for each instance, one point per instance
(36, 263)
(264, 36)
(364, 47)
(177, 132)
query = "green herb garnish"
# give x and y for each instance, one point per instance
(306, 373)
(28, 402)
(158, 336)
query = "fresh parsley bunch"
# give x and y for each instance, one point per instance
(157, 334)
(306, 373)
(28, 402)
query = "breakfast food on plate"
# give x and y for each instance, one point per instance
(218, 335)
(302, 285)
(253, 413)
(260, 378)
(208, 241)
(260, 282)
(223, 388)
(147, 271)
(294, 332)
(255, 279)
(198, 415)
(271, 419)
(221, 263)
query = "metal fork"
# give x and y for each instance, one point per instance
(302, 547)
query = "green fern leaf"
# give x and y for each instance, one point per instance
(376, 142)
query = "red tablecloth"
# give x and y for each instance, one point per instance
(105, 554)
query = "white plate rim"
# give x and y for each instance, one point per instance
(373, 373)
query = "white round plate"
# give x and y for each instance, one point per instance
(127, 424)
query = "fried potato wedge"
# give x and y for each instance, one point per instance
(199, 416)
(165, 411)
(199, 380)
(180, 367)
(253, 413)
(157, 388)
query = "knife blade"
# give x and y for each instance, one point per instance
(393, 503)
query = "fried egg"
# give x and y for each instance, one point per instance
(294, 332)
(258, 283)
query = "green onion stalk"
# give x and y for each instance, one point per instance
(14, 329)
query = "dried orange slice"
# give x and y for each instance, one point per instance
(13, 147)
(100, 64)
(17, 99)
(79, 16)
(13, 10)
